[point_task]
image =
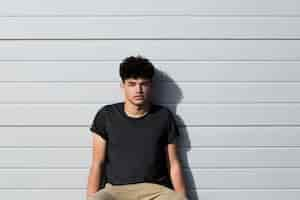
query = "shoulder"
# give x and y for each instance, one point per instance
(105, 108)
(111, 108)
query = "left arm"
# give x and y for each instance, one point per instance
(174, 167)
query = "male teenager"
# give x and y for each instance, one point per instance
(135, 143)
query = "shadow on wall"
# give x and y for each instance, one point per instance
(168, 93)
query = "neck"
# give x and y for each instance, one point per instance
(136, 110)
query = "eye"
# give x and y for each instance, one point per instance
(131, 84)
(146, 84)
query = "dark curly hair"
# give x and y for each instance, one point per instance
(136, 67)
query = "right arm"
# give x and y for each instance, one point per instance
(96, 166)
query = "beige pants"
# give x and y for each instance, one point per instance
(137, 191)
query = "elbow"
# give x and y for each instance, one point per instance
(96, 164)
(175, 167)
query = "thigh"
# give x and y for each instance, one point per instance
(103, 194)
(169, 194)
(124, 192)
(149, 191)
(118, 192)
(154, 191)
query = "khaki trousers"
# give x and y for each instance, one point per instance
(137, 191)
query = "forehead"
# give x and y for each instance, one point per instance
(138, 80)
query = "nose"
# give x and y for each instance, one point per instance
(139, 89)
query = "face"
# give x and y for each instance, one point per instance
(137, 91)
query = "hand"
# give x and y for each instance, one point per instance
(91, 196)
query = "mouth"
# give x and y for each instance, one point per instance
(138, 97)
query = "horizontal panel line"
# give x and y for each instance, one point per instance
(243, 125)
(239, 168)
(151, 15)
(180, 146)
(189, 189)
(248, 188)
(12, 168)
(173, 38)
(242, 169)
(191, 147)
(154, 60)
(161, 62)
(212, 126)
(157, 81)
(242, 189)
(237, 147)
(187, 103)
(42, 188)
(16, 189)
(137, 16)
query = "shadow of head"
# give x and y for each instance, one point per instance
(167, 91)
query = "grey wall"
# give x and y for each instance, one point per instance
(228, 69)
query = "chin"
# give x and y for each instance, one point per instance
(139, 102)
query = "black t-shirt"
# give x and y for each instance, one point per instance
(136, 146)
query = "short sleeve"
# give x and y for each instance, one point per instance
(172, 129)
(98, 124)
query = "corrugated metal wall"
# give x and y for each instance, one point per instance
(228, 69)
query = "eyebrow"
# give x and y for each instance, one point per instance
(141, 82)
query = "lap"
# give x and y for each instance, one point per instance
(168, 194)
(138, 191)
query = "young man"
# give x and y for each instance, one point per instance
(135, 143)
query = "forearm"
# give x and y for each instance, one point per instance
(95, 172)
(177, 178)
